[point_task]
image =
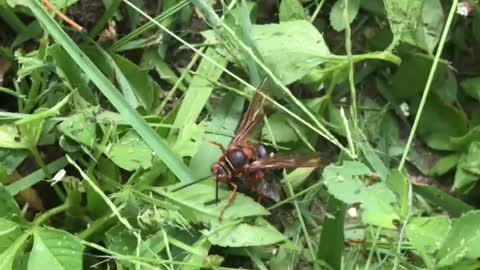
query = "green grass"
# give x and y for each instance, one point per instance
(377, 89)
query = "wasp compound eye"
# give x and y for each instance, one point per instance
(261, 151)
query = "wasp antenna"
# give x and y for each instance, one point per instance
(191, 183)
(216, 192)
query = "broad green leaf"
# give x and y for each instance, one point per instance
(290, 49)
(472, 87)
(130, 152)
(144, 88)
(8, 207)
(468, 169)
(197, 204)
(377, 201)
(9, 232)
(119, 239)
(462, 241)
(260, 233)
(280, 128)
(70, 73)
(416, 22)
(445, 164)
(427, 234)
(337, 18)
(106, 64)
(10, 159)
(10, 137)
(203, 246)
(452, 205)
(398, 183)
(81, 126)
(439, 122)
(332, 239)
(289, 61)
(7, 257)
(189, 139)
(291, 10)
(199, 89)
(344, 182)
(55, 250)
(379, 206)
(463, 142)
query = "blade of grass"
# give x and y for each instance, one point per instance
(104, 19)
(135, 33)
(36, 176)
(428, 85)
(332, 244)
(381, 55)
(113, 207)
(106, 87)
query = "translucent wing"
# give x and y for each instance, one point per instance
(251, 118)
(276, 162)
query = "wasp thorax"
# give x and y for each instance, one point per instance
(237, 159)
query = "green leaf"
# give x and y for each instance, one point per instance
(81, 126)
(128, 113)
(454, 207)
(260, 233)
(463, 142)
(70, 73)
(378, 205)
(344, 183)
(9, 232)
(199, 89)
(426, 234)
(10, 137)
(8, 256)
(280, 128)
(55, 250)
(445, 164)
(145, 89)
(462, 241)
(377, 200)
(8, 207)
(289, 60)
(468, 169)
(11, 159)
(189, 139)
(337, 19)
(439, 122)
(471, 87)
(291, 10)
(398, 183)
(196, 203)
(332, 238)
(418, 23)
(130, 152)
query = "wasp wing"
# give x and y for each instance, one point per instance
(252, 116)
(276, 162)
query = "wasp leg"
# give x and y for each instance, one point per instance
(230, 199)
(49, 6)
(220, 146)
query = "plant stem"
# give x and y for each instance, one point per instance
(96, 226)
(441, 44)
(38, 159)
(50, 213)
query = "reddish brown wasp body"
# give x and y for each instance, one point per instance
(247, 163)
